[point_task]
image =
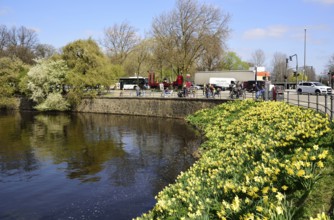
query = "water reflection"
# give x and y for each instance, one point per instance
(16, 156)
(106, 159)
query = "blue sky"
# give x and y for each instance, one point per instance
(270, 25)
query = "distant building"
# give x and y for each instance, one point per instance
(262, 74)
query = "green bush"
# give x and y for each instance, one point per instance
(54, 101)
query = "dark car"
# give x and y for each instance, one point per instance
(250, 85)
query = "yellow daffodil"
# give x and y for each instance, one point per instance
(320, 164)
(284, 187)
(279, 196)
(259, 209)
(279, 210)
(265, 190)
(300, 173)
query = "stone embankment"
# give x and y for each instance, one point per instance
(157, 107)
(142, 106)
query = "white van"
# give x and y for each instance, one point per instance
(222, 83)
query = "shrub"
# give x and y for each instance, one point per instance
(54, 102)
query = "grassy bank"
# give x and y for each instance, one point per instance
(260, 160)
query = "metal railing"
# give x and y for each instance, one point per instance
(161, 94)
(320, 103)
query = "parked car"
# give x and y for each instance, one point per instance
(313, 88)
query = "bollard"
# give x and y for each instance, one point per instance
(274, 93)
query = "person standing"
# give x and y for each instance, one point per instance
(185, 91)
(259, 91)
(137, 90)
(179, 81)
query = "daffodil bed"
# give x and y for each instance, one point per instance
(260, 160)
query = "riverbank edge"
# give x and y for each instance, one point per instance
(140, 106)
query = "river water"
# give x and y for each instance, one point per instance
(88, 166)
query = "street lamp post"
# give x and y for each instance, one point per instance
(286, 73)
(255, 73)
(290, 57)
(304, 53)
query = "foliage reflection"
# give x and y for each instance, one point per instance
(92, 147)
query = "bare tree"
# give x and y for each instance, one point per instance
(23, 37)
(330, 67)
(18, 42)
(4, 40)
(310, 73)
(330, 64)
(44, 51)
(119, 41)
(258, 58)
(212, 54)
(183, 32)
(138, 61)
(279, 63)
(158, 61)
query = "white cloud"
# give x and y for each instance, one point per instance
(276, 31)
(255, 33)
(268, 32)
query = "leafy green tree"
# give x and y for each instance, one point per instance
(89, 67)
(12, 70)
(90, 70)
(292, 76)
(46, 81)
(231, 61)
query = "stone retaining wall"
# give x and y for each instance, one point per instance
(157, 107)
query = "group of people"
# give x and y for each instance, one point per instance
(210, 91)
(236, 89)
(187, 90)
